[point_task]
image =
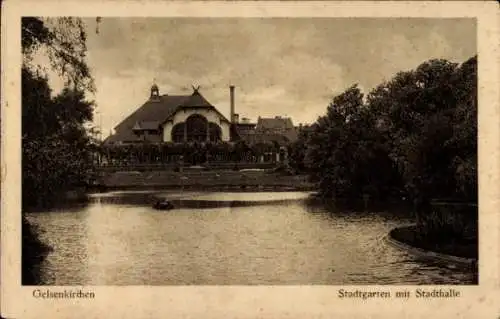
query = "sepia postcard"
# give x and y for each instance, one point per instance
(250, 159)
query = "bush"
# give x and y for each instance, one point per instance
(450, 221)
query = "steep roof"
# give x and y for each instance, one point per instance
(152, 110)
(271, 125)
(277, 122)
(248, 133)
(155, 112)
(196, 100)
(146, 125)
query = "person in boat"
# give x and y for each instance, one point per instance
(163, 204)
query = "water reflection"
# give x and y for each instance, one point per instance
(228, 238)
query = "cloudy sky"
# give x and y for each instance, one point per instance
(288, 66)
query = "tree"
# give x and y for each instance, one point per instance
(333, 156)
(57, 149)
(297, 150)
(420, 108)
(57, 146)
(63, 41)
(464, 138)
(416, 133)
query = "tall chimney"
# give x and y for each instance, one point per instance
(231, 115)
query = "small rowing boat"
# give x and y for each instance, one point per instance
(163, 205)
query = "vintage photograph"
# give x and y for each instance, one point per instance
(163, 151)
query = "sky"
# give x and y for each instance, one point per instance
(280, 66)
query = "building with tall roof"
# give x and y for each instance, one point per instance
(190, 118)
(173, 118)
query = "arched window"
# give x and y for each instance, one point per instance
(178, 133)
(215, 132)
(196, 128)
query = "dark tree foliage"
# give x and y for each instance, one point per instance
(63, 41)
(346, 153)
(56, 145)
(415, 135)
(57, 149)
(297, 151)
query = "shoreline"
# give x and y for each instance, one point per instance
(218, 180)
(396, 237)
(200, 187)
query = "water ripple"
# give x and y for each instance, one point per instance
(228, 238)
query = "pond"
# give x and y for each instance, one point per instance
(217, 238)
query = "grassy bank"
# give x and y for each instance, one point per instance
(201, 179)
(409, 235)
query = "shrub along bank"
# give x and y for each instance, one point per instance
(200, 178)
(411, 235)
